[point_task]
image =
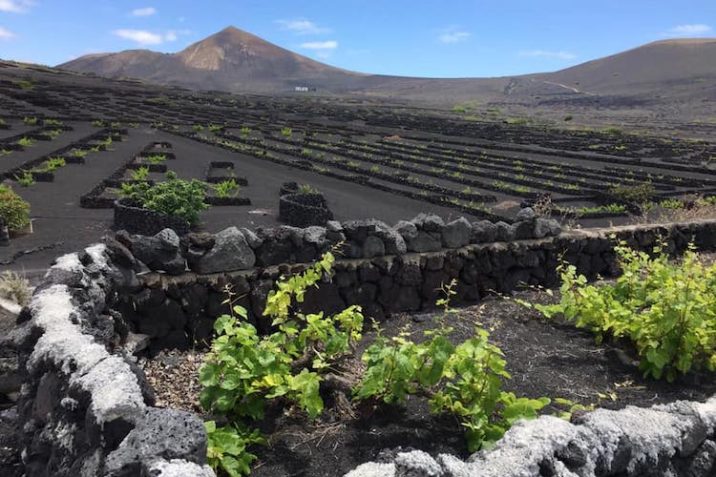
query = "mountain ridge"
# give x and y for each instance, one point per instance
(237, 61)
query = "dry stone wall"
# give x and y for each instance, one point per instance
(175, 287)
(85, 408)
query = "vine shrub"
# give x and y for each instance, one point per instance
(176, 197)
(666, 309)
(465, 380)
(245, 371)
(13, 209)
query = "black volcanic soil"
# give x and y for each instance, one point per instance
(545, 359)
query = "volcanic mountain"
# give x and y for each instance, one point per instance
(230, 60)
(236, 61)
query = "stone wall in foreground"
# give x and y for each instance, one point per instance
(172, 305)
(673, 440)
(85, 408)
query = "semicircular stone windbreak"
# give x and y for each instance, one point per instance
(86, 409)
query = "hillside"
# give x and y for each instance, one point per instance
(236, 61)
(230, 60)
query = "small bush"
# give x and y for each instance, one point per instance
(465, 380)
(245, 372)
(637, 194)
(15, 287)
(306, 189)
(668, 310)
(227, 188)
(140, 174)
(13, 209)
(25, 142)
(176, 197)
(25, 179)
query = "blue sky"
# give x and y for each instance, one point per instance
(413, 38)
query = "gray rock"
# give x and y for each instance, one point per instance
(523, 230)
(230, 252)
(160, 252)
(252, 239)
(456, 234)
(373, 247)
(483, 231)
(158, 433)
(505, 232)
(416, 464)
(359, 230)
(315, 236)
(334, 226)
(406, 229)
(334, 231)
(526, 214)
(425, 242)
(136, 343)
(428, 222)
(703, 463)
(546, 228)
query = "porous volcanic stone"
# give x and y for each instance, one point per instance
(230, 252)
(456, 234)
(164, 433)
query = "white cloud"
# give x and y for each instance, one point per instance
(558, 55)
(453, 35)
(694, 29)
(320, 45)
(145, 38)
(301, 26)
(15, 6)
(322, 49)
(144, 12)
(6, 34)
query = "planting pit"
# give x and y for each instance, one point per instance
(545, 359)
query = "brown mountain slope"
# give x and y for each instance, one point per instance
(655, 66)
(231, 60)
(237, 61)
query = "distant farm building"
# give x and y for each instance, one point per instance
(303, 89)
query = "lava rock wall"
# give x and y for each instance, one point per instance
(176, 287)
(85, 408)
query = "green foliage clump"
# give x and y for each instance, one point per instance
(307, 189)
(25, 179)
(13, 209)
(155, 158)
(51, 165)
(286, 132)
(671, 204)
(667, 310)
(227, 188)
(227, 448)
(638, 194)
(245, 371)
(30, 120)
(175, 197)
(140, 174)
(465, 380)
(25, 142)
